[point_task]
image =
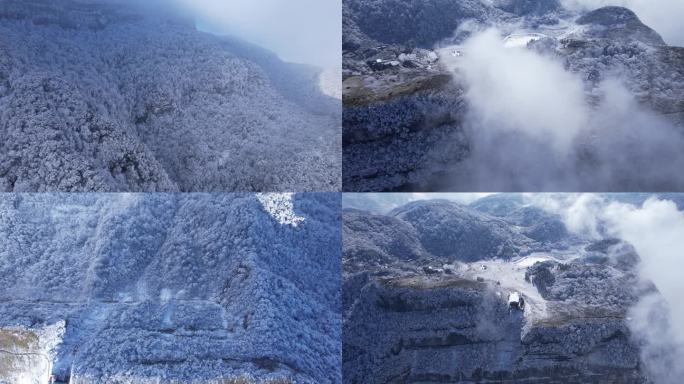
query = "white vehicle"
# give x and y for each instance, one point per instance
(516, 301)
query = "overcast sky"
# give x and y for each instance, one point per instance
(302, 31)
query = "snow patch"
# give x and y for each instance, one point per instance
(529, 261)
(33, 364)
(280, 207)
(518, 40)
(511, 278)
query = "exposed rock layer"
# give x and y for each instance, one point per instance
(420, 310)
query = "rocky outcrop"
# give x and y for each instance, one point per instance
(448, 330)
(423, 126)
(168, 288)
(413, 314)
(407, 124)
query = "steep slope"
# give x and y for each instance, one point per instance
(112, 96)
(170, 288)
(618, 23)
(443, 224)
(436, 319)
(430, 232)
(408, 120)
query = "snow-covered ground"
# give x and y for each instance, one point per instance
(449, 56)
(27, 355)
(510, 277)
(521, 39)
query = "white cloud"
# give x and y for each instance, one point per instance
(656, 230)
(533, 125)
(519, 90)
(304, 31)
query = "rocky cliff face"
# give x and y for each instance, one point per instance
(126, 96)
(436, 318)
(167, 289)
(405, 119)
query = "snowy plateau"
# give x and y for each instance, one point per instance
(169, 288)
(426, 287)
(109, 96)
(560, 99)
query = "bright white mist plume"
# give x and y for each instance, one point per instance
(656, 230)
(536, 126)
(541, 98)
(302, 31)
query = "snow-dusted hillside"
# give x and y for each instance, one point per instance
(508, 95)
(425, 292)
(166, 288)
(108, 96)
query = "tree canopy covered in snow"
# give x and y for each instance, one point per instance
(174, 287)
(102, 97)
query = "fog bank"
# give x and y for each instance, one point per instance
(656, 230)
(301, 31)
(536, 126)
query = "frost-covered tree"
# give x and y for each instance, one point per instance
(172, 288)
(96, 97)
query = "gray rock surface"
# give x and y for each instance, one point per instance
(412, 314)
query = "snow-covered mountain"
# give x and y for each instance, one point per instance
(117, 96)
(167, 288)
(429, 105)
(425, 292)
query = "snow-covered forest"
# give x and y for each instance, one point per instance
(109, 96)
(425, 288)
(513, 95)
(168, 288)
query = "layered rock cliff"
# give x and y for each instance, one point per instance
(413, 313)
(407, 122)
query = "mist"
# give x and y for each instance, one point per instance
(665, 16)
(300, 31)
(528, 84)
(536, 126)
(656, 230)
